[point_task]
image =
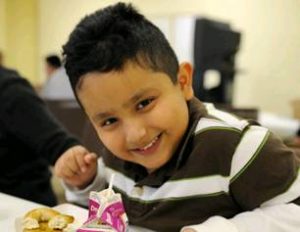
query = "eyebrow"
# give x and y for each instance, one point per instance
(138, 95)
(101, 115)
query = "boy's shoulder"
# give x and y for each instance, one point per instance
(218, 121)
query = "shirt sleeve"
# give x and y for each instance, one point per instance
(265, 173)
(277, 218)
(26, 116)
(265, 183)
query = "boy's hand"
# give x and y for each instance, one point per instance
(76, 166)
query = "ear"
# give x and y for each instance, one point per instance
(185, 80)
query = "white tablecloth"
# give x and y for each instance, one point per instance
(13, 208)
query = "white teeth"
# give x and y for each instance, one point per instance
(150, 144)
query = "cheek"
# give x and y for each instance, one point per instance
(169, 114)
(112, 141)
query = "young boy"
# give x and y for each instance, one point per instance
(179, 164)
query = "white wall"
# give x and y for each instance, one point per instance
(21, 37)
(269, 57)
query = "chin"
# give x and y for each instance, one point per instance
(153, 168)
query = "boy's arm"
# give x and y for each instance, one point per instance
(276, 218)
(80, 196)
(269, 176)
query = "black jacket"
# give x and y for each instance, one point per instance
(30, 140)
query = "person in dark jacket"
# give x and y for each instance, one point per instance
(30, 141)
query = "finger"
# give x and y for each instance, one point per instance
(61, 171)
(72, 181)
(90, 158)
(71, 166)
(79, 157)
(69, 172)
(80, 181)
(64, 169)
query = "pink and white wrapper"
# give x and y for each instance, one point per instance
(106, 213)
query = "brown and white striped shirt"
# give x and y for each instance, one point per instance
(224, 166)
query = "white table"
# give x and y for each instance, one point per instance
(12, 208)
(284, 127)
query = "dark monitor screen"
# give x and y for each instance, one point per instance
(214, 41)
(215, 46)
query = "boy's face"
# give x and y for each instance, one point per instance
(139, 115)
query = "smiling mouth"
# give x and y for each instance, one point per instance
(150, 147)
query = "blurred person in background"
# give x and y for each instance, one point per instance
(31, 140)
(57, 86)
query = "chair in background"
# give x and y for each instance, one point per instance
(69, 114)
(73, 118)
(246, 113)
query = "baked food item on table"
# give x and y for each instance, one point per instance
(45, 220)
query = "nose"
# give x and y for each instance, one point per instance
(135, 132)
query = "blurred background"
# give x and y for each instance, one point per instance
(267, 63)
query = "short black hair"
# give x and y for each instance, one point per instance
(105, 40)
(53, 60)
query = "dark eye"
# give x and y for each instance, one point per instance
(109, 122)
(144, 103)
